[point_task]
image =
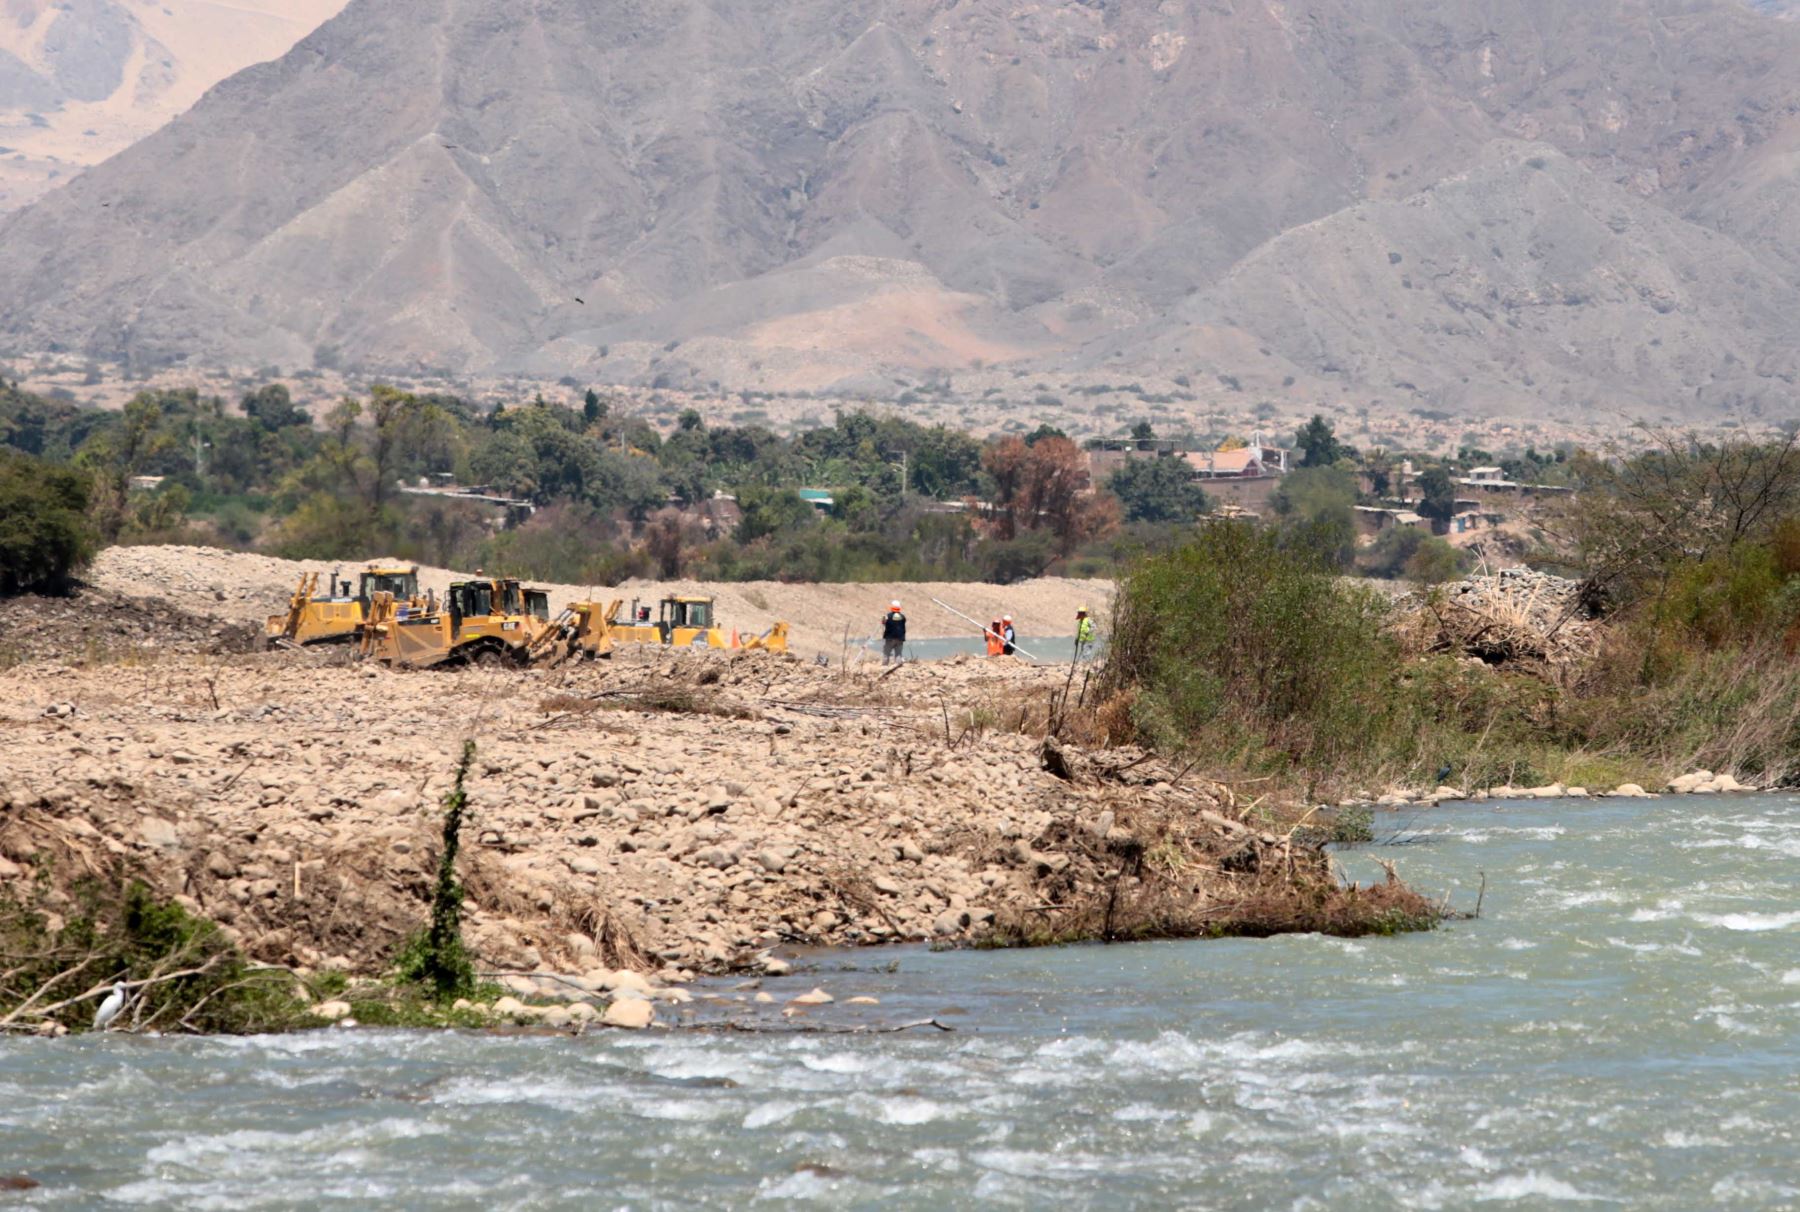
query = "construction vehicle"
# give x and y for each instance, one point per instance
(583, 629)
(684, 621)
(485, 622)
(335, 615)
(488, 623)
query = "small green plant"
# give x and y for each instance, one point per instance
(437, 957)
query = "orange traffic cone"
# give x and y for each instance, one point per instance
(734, 638)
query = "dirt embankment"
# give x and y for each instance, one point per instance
(246, 588)
(675, 810)
(691, 810)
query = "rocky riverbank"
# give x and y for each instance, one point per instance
(656, 815)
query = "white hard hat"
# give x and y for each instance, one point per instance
(894, 605)
(1006, 618)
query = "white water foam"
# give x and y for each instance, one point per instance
(771, 1113)
(1750, 922)
(1532, 1186)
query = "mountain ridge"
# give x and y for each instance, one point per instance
(697, 193)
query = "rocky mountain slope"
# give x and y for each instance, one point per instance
(1530, 207)
(83, 79)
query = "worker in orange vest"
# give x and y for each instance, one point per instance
(994, 640)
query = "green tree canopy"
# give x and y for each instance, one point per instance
(1437, 494)
(1318, 444)
(1158, 491)
(45, 535)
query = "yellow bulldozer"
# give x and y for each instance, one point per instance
(684, 621)
(495, 623)
(335, 615)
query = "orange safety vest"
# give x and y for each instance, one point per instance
(995, 645)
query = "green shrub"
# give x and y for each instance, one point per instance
(45, 534)
(1242, 644)
(185, 974)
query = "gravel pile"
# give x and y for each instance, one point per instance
(97, 625)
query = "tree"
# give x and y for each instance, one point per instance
(1379, 466)
(271, 407)
(1635, 521)
(1437, 494)
(1317, 511)
(668, 538)
(117, 454)
(631, 482)
(1144, 435)
(45, 534)
(1158, 491)
(593, 408)
(1044, 430)
(1045, 487)
(771, 511)
(1318, 444)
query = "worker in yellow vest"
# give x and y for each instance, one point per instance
(1084, 633)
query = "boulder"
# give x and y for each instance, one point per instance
(632, 1014)
(950, 923)
(1689, 783)
(1631, 791)
(818, 997)
(628, 981)
(331, 1011)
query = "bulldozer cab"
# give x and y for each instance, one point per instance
(537, 604)
(684, 613)
(403, 583)
(470, 600)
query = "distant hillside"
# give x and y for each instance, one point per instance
(1526, 207)
(82, 79)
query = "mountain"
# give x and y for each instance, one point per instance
(83, 79)
(1524, 206)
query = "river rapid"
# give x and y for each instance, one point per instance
(1621, 1028)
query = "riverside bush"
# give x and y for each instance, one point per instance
(1252, 649)
(186, 974)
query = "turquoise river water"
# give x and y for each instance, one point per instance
(1621, 1028)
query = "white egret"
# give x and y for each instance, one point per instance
(109, 1009)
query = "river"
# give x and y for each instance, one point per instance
(1621, 1028)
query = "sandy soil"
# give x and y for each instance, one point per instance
(240, 587)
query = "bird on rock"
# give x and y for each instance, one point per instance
(109, 1009)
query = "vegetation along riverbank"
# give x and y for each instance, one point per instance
(252, 839)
